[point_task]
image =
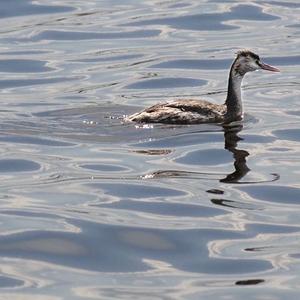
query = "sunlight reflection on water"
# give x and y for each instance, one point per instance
(92, 207)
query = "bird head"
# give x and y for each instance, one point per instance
(247, 61)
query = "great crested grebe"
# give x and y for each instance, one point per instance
(185, 111)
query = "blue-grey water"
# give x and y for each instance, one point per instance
(92, 208)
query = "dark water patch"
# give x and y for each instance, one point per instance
(86, 13)
(18, 165)
(257, 138)
(23, 66)
(282, 3)
(14, 83)
(273, 229)
(17, 8)
(209, 157)
(259, 249)
(249, 282)
(235, 204)
(22, 139)
(166, 83)
(293, 26)
(107, 248)
(165, 208)
(250, 12)
(9, 282)
(211, 21)
(292, 134)
(104, 167)
(215, 191)
(59, 35)
(293, 112)
(271, 193)
(138, 191)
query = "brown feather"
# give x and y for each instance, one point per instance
(181, 111)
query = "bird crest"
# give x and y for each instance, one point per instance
(246, 52)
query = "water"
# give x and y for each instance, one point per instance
(92, 208)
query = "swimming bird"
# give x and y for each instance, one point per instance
(187, 111)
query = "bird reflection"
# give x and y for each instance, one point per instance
(231, 141)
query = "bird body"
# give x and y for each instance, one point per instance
(181, 111)
(186, 111)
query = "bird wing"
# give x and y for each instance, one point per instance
(198, 106)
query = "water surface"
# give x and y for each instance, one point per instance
(92, 208)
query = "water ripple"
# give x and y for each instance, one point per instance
(154, 210)
(210, 21)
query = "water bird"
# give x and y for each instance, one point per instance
(187, 111)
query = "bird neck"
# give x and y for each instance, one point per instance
(234, 98)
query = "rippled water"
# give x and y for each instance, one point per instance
(92, 208)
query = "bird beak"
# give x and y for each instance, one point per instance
(268, 67)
